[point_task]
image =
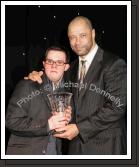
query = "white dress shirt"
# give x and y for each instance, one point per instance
(88, 58)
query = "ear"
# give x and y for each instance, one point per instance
(67, 67)
(43, 64)
(93, 34)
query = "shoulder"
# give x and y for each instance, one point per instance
(25, 85)
(74, 63)
(111, 59)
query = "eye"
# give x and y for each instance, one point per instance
(49, 61)
(83, 35)
(60, 62)
(72, 37)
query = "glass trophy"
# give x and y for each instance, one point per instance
(59, 102)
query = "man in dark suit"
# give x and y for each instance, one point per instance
(99, 98)
(29, 116)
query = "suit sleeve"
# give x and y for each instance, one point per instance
(115, 80)
(18, 120)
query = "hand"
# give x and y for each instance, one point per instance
(71, 131)
(57, 121)
(67, 113)
(35, 76)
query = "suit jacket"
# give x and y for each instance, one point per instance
(27, 118)
(100, 106)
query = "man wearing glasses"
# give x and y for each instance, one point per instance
(29, 117)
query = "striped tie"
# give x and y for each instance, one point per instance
(82, 71)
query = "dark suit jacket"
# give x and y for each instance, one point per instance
(27, 118)
(100, 107)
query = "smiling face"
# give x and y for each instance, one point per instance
(81, 36)
(55, 66)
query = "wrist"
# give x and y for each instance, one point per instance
(50, 124)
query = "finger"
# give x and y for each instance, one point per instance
(35, 77)
(59, 125)
(61, 135)
(35, 72)
(53, 113)
(68, 110)
(31, 76)
(40, 79)
(62, 119)
(67, 115)
(60, 129)
(40, 73)
(69, 107)
(58, 135)
(60, 115)
(26, 78)
(68, 120)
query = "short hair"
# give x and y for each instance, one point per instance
(58, 48)
(77, 18)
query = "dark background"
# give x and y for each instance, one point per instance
(29, 30)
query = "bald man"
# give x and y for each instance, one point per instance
(100, 98)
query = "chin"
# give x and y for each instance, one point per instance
(81, 53)
(54, 79)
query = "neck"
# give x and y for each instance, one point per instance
(84, 56)
(57, 82)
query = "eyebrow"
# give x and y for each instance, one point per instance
(54, 60)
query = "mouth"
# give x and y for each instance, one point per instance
(53, 71)
(78, 49)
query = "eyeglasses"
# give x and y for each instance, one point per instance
(58, 62)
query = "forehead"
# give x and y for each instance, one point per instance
(79, 26)
(56, 55)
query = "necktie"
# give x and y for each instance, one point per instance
(82, 71)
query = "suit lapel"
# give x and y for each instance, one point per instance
(92, 71)
(46, 88)
(74, 79)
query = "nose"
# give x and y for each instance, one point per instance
(54, 65)
(77, 40)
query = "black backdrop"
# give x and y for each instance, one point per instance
(29, 30)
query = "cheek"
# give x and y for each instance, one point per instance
(61, 71)
(85, 41)
(47, 70)
(47, 67)
(72, 43)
